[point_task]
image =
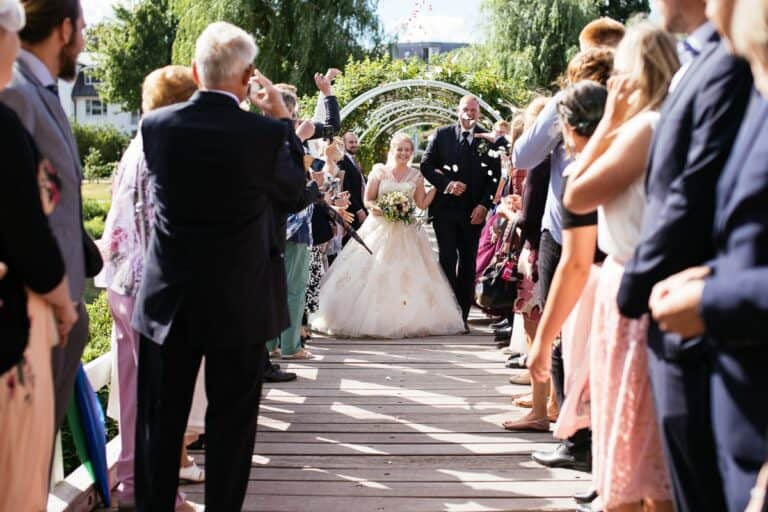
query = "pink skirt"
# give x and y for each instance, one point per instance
(628, 463)
(26, 416)
(576, 333)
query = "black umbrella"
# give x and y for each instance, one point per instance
(336, 217)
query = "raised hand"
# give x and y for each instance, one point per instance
(323, 83)
(621, 96)
(305, 130)
(265, 96)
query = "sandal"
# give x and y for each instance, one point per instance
(524, 401)
(301, 354)
(192, 473)
(524, 425)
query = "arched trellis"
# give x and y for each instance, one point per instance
(386, 115)
(411, 84)
(401, 122)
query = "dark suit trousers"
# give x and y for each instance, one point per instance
(681, 390)
(740, 418)
(458, 241)
(167, 375)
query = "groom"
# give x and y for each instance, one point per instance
(457, 163)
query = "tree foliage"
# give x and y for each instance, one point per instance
(363, 75)
(532, 40)
(127, 48)
(622, 10)
(295, 37)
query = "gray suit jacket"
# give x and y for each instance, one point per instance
(43, 116)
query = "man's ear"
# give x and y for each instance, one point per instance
(66, 29)
(195, 74)
(247, 75)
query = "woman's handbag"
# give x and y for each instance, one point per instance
(497, 287)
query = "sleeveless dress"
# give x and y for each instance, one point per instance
(398, 292)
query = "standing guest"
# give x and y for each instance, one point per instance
(602, 32)
(726, 300)
(124, 246)
(545, 140)
(34, 291)
(610, 175)
(354, 180)
(197, 295)
(51, 41)
(691, 144)
(464, 197)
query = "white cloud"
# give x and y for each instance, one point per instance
(444, 29)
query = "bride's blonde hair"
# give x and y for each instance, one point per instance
(397, 139)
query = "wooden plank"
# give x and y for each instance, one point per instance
(522, 448)
(397, 409)
(372, 389)
(467, 427)
(401, 438)
(280, 503)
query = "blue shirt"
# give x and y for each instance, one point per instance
(299, 226)
(532, 148)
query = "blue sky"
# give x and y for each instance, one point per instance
(412, 20)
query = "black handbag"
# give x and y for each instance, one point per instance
(93, 261)
(496, 289)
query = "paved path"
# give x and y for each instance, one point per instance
(399, 426)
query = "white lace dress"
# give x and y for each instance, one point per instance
(398, 292)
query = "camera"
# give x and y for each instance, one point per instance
(327, 132)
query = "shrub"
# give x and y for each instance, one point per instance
(93, 208)
(110, 141)
(95, 227)
(95, 167)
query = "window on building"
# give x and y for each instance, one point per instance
(90, 79)
(95, 108)
(134, 118)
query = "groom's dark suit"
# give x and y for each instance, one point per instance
(213, 286)
(449, 157)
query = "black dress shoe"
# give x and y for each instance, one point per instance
(466, 328)
(585, 497)
(279, 376)
(503, 334)
(503, 323)
(517, 363)
(564, 457)
(197, 445)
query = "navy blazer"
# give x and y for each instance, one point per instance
(443, 150)
(692, 141)
(221, 179)
(735, 301)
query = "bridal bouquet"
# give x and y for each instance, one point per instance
(397, 207)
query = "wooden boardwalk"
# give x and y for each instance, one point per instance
(399, 426)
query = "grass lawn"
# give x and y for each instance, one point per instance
(99, 191)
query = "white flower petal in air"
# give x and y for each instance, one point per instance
(447, 167)
(490, 173)
(455, 168)
(483, 164)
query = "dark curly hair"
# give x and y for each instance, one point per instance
(594, 64)
(581, 106)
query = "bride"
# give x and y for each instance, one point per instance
(400, 291)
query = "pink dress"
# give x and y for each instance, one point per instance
(576, 334)
(628, 463)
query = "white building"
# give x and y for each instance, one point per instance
(82, 103)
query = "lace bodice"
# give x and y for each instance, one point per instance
(388, 183)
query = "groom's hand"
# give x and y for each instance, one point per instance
(456, 188)
(478, 214)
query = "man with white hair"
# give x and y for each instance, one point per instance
(221, 176)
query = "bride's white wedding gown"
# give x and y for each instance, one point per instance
(398, 292)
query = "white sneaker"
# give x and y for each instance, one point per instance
(192, 473)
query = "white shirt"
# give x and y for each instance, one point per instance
(471, 131)
(696, 41)
(36, 67)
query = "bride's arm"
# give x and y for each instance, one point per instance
(372, 191)
(420, 196)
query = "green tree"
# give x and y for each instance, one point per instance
(622, 10)
(533, 39)
(127, 48)
(295, 37)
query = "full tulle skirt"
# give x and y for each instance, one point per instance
(398, 292)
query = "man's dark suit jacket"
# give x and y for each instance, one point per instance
(353, 183)
(691, 144)
(443, 151)
(221, 179)
(735, 301)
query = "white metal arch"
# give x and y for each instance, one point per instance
(416, 116)
(445, 115)
(414, 83)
